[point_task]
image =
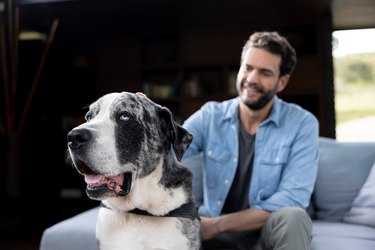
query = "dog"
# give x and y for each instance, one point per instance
(129, 151)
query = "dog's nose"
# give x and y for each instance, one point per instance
(78, 137)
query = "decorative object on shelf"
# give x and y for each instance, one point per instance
(157, 90)
(192, 86)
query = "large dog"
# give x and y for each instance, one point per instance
(129, 152)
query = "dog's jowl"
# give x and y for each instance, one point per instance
(129, 151)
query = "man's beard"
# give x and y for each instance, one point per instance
(264, 99)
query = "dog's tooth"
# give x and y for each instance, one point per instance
(119, 179)
(111, 184)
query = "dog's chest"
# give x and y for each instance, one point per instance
(117, 231)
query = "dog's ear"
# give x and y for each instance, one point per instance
(179, 137)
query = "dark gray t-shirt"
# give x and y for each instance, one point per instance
(237, 198)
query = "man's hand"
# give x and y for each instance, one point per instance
(247, 220)
(141, 94)
(209, 227)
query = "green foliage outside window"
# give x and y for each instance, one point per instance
(354, 87)
(355, 69)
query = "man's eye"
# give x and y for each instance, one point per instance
(246, 68)
(267, 73)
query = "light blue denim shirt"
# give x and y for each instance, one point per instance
(285, 158)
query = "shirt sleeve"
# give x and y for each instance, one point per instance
(195, 124)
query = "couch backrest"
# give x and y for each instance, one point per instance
(195, 164)
(343, 168)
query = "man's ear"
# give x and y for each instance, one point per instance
(179, 137)
(283, 81)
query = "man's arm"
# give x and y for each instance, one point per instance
(247, 220)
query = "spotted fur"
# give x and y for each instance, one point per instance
(127, 133)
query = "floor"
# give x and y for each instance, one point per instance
(19, 236)
(22, 229)
(21, 244)
(25, 234)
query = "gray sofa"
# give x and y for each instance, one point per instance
(342, 207)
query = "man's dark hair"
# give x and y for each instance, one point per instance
(275, 44)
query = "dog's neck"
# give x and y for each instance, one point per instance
(187, 210)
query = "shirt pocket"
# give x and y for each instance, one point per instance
(272, 162)
(275, 157)
(216, 165)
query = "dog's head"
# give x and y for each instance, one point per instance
(123, 139)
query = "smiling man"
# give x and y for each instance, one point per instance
(260, 156)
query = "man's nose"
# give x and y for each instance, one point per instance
(252, 76)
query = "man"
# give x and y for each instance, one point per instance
(260, 156)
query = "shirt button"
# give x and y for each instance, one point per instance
(209, 152)
(218, 202)
(226, 182)
(234, 159)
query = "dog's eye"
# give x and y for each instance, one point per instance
(124, 117)
(88, 117)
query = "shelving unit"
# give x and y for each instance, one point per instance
(179, 81)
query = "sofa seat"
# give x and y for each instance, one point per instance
(342, 236)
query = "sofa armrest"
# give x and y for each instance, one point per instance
(76, 233)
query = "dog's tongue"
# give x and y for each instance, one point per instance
(94, 178)
(112, 182)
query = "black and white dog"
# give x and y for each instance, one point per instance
(129, 152)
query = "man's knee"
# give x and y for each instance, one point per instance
(291, 216)
(291, 213)
(289, 226)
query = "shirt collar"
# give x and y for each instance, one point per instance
(232, 110)
(274, 116)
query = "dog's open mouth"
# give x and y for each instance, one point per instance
(99, 183)
(120, 184)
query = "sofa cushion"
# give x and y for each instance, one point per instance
(363, 207)
(343, 169)
(342, 236)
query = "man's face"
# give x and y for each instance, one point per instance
(258, 79)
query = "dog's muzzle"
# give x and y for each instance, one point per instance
(99, 185)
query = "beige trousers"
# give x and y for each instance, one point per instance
(287, 229)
